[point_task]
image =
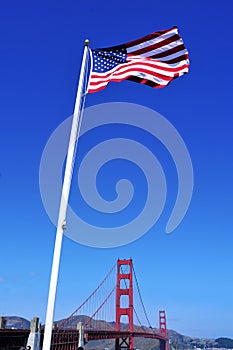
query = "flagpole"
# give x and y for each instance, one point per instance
(61, 225)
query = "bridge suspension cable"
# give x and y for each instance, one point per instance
(88, 298)
(142, 303)
(135, 312)
(100, 307)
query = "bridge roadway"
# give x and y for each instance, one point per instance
(112, 334)
(67, 339)
(66, 336)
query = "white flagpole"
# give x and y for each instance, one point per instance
(63, 205)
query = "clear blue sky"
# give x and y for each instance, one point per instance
(189, 273)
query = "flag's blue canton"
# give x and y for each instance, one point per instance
(103, 60)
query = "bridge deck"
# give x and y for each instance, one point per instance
(15, 338)
(112, 334)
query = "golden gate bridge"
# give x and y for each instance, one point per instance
(94, 317)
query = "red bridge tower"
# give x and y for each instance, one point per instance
(124, 287)
(163, 327)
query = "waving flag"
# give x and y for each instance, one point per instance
(154, 60)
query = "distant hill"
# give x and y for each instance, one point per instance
(224, 343)
(16, 322)
(177, 340)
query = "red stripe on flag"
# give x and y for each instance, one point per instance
(169, 52)
(149, 37)
(162, 43)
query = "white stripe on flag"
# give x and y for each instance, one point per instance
(152, 41)
(162, 49)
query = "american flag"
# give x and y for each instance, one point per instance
(154, 60)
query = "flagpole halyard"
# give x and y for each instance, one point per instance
(61, 225)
